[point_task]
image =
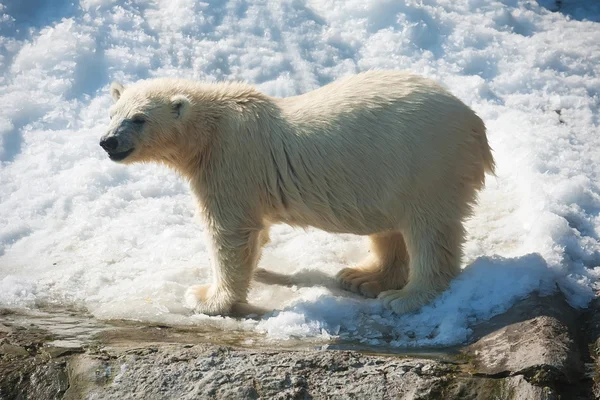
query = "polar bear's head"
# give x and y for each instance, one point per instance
(146, 122)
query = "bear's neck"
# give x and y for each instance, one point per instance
(217, 110)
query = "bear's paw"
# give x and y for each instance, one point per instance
(203, 299)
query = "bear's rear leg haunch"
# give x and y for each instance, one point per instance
(385, 269)
(435, 253)
(234, 257)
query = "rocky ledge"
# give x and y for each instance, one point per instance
(540, 349)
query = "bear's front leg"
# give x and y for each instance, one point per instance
(235, 253)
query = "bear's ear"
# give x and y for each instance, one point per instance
(180, 105)
(116, 90)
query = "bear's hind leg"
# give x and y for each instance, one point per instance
(385, 269)
(435, 253)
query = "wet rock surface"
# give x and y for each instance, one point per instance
(590, 333)
(537, 350)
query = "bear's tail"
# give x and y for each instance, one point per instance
(488, 159)
(489, 164)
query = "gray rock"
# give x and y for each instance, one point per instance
(206, 372)
(536, 338)
(591, 328)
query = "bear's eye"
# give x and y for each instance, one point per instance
(138, 119)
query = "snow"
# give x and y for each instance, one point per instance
(125, 242)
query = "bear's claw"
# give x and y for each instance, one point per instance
(360, 281)
(406, 300)
(203, 300)
(369, 282)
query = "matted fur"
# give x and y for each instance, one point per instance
(386, 154)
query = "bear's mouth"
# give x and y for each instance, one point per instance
(120, 156)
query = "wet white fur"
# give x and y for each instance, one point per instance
(383, 153)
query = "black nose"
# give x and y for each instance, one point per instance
(110, 143)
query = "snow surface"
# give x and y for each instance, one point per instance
(124, 242)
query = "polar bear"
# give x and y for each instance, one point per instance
(385, 154)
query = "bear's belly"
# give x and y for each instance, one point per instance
(357, 223)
